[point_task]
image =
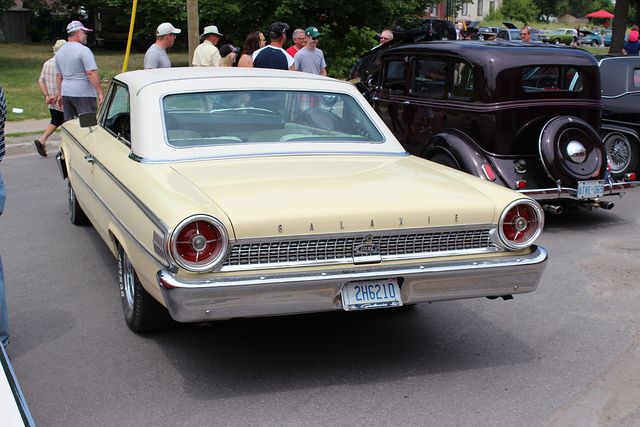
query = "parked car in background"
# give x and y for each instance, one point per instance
(434, 29)
(250, 192)
(488, 33)
(590, 38)
(514, 35)
(620, 130)
(559, 36)
(526, 117)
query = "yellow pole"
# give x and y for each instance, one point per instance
(133, 20)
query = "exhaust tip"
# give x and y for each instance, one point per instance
(554, 209)
(605, 205)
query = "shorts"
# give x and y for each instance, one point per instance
(74, 106)
(57, 117)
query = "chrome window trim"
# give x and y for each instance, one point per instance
(145, 160)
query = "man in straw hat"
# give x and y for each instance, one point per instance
(77, 74)
(207, 54)
(156, 56)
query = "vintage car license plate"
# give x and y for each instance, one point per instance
(590, 189)
(366, 294)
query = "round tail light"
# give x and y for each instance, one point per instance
(520, 224)
(199, 243)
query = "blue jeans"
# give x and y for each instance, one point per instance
(4, 314)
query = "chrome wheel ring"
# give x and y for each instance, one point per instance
(618, 149)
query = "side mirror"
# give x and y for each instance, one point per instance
(88, 120)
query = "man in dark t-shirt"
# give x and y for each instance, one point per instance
(273, 55)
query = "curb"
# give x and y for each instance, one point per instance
(24, 145)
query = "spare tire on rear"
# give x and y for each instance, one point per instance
(571, 151)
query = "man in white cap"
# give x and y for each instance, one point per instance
(207, 54)
(77, 74)
(156, 56)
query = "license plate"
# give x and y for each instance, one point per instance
(368, 294)
(590, 189)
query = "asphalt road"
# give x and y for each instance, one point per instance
(565, 355)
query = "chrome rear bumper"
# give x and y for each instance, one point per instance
(275, 294)
(611, 188)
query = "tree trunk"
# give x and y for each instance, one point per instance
(619, 26)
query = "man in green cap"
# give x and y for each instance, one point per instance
(310, 59)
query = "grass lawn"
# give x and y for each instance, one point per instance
(21, 64)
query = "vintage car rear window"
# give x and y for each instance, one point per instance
(551, 78)
(238, 117)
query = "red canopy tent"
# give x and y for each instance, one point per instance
(600, 14)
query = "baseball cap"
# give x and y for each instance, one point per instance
(226, 49)
(75, 26)
(277, 29)
(211, 29)
(166, 28)
(312, 31)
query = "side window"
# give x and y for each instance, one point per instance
(394, 76)
(540, 78)
(117, 118)
(636, 78)
(572, 81)
(462, 80)
(428, 77)
(551, 78)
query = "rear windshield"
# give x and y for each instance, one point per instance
(238, 117)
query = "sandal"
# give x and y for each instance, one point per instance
(40, 148)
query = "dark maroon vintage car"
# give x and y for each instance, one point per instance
(526, 116)
(620, 130)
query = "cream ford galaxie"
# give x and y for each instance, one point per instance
(233, 192)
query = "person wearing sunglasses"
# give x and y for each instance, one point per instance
(310, 59)
(386, 36)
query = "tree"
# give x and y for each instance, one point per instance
(547, 8)
(520, 10)
(348, 27)
(619, 26)
(4, 6)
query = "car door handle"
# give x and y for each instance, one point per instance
(89, 158)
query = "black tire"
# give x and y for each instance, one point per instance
(556, 41)
(446, 160)
(76, 214)
(594, 43)
(622, 153)
(142, 312)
